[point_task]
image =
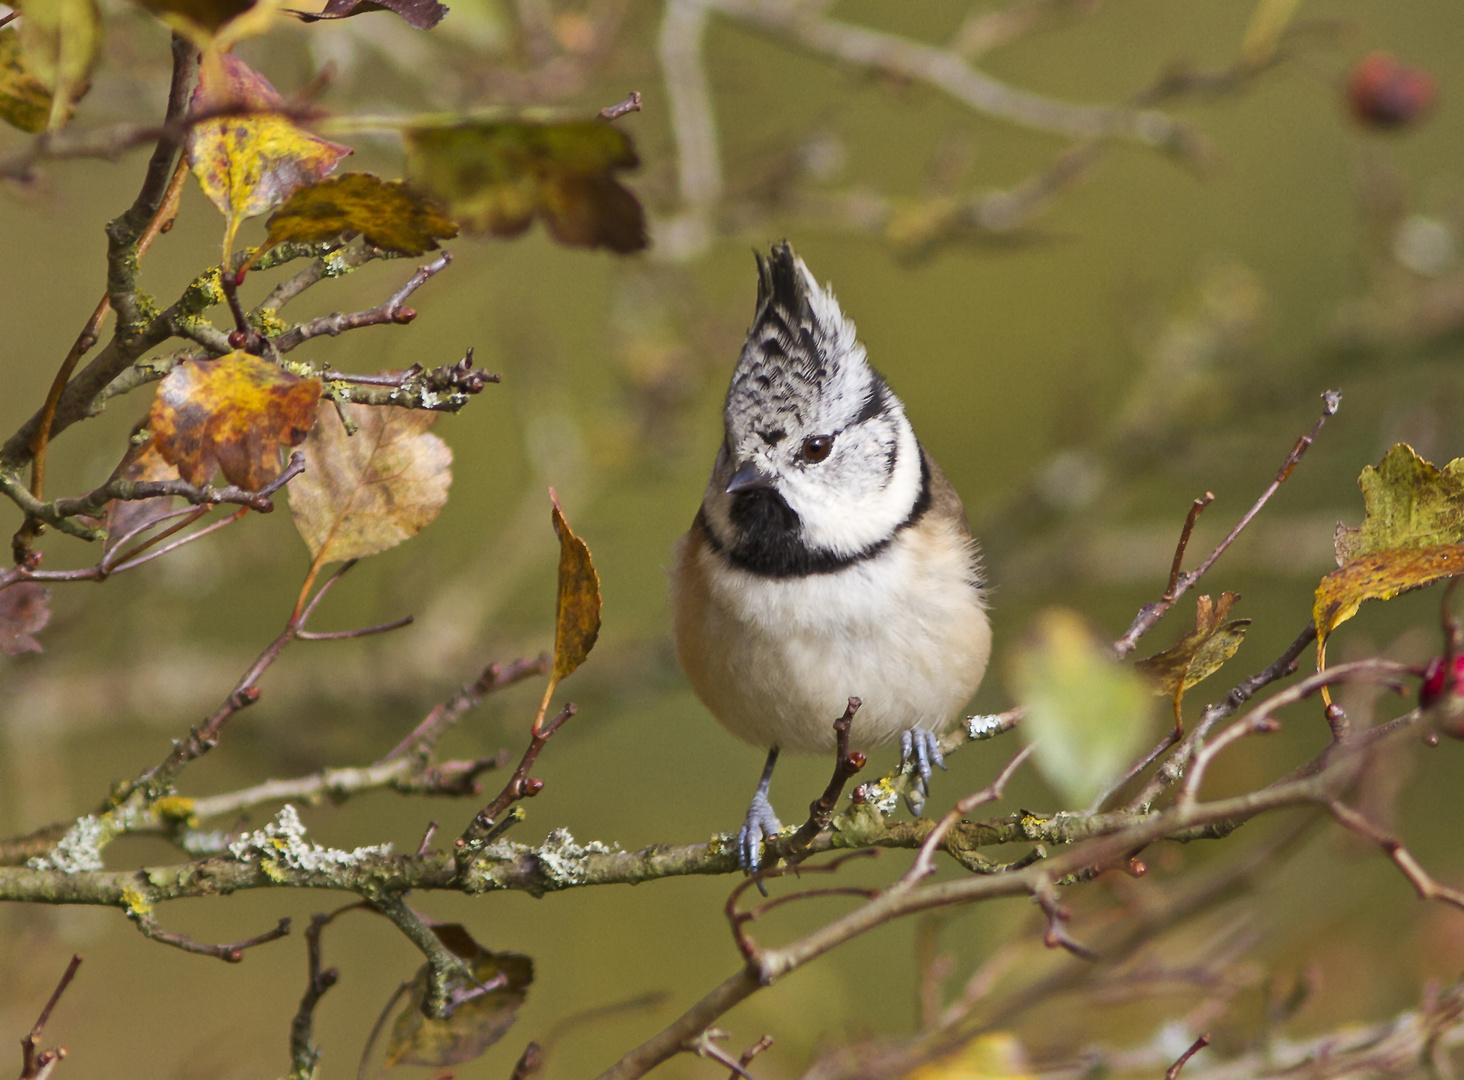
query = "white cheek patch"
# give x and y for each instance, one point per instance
(848, 518)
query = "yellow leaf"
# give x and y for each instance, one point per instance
(234, 414)
(1381, 577)
(24, 100)
(577, 606)
(61, 39)
(387, 213)
(496, 177)
(994, 1056)
(251, 163)
(364, 493)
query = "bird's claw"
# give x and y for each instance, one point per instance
(919, 750)
(760, 826)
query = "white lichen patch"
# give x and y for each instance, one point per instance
(984, 726)
(282, 842)
(80, 849)
(201, 842)
(563, 861)
(881, 795)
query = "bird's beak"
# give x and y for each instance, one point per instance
(748, 477)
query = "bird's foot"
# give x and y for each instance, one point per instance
(760, 826)
(919, 750)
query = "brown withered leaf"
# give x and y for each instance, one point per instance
(364, 493)
(1200, 653)
(387, 213)
(479, 1017)
(61, 40)
(420, 14)
(128, 517)
(249, 164)
(577, 604)
(497, 177)
(25, 102)
(234, 414)
(25, 609)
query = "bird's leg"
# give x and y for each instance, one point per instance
(761, 823)
(919, 750)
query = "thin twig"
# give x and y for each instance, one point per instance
(1172, 1073)
(445, 716)
(622, 108)
(821, 810)
(1184, 537)
(32, 1063)
(231, 953)
(1150, 614)
(924, 864)
(392, 311)
(1424, 883)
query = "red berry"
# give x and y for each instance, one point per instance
(1384, 93)
(1433, 680)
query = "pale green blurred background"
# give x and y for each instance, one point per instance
(1162, 332)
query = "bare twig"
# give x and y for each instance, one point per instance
(1184, 537)
(1056, 935)
(393, 310)
(924, 864)
(231, 953)
(304, 1054)
(622, 108)
(36, 1066)
(821, 810)
(1424, 883)
(445, 716)
(1172, 1073)
(1150, 614)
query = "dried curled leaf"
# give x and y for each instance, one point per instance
(25, 609)
(61, 39)
(577, 604)
(1412, 535)
(364, 493)
(480, 1017)
(419, 14)
(1200, 653)
(25, 102)
(251, 163)
(234, 414)
(387, 213)
(129, 517)
(1086, 714)
(497, 177)
(1407, 503)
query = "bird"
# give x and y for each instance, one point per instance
(830, 557)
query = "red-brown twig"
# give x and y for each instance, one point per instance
(1179, 584)
(704, 1044)
(1424, 883)
(230, 953)
(1172, 1073)
(520, 786)
(1184, 538)
(392, 311)
(821, 810)
(1056, 935)
(738, 919)
(924, 864)
(36, 1066)
(445, 716)
(745, 1058)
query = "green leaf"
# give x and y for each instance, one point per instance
(388, 213)
(61, 39)
(25, 102)
(1408, 503)
(207, 15)
(479, 1017)
(497, 177)
(1087, 715)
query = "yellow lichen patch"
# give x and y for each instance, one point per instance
(136, 904)
(175, 808)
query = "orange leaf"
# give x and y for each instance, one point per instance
(387, 213)
(234, 414)
(249, 164)
(1380, 576)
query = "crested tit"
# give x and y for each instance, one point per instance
(830, 558)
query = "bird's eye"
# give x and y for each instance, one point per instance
(816, 448)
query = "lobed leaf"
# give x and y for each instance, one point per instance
(364, 493)
(479, 1017)
(232, 414)
(577, 604)
(25, 102)
(497, 177)
(61, 40)
(1200, 653)
(251, 163)
(388, 213)
(1086, 714)
(1412, 535)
